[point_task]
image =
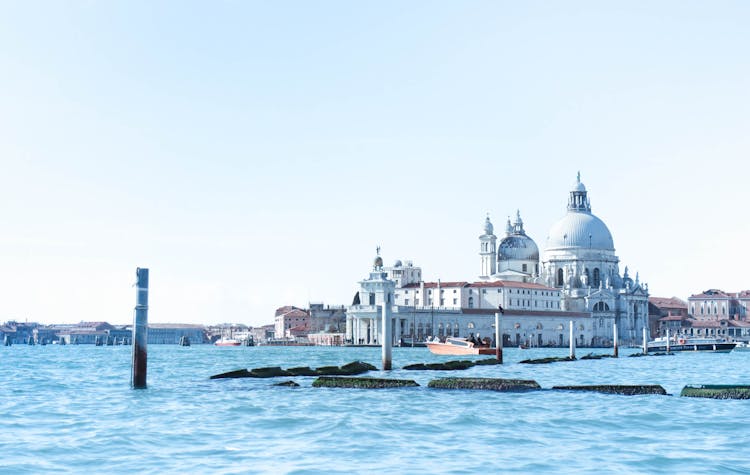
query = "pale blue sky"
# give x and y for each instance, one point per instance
(254, 154)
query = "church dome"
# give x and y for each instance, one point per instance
(516, 245)
(580, 229)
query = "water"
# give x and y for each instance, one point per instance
(70, 409)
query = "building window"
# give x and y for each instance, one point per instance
(597, 277)
(524, 267)
(442, 302)
(455, 301)
(416, 301)
(471, 302)
(559, 277)
(406, 301)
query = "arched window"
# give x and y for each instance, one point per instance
(440, 329)
(560, 279)
(470, 325)
(601, 307)
(588, 277)
(471, 302)
(597, 278)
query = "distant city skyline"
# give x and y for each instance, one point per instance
(253, 155)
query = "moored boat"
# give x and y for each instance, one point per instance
(227, 342)
(742, 346)
(458, 346)
(713, 345)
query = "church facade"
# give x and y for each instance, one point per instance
(576, 280)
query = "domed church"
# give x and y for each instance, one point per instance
(579, 259)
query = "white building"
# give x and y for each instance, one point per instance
(577, 279)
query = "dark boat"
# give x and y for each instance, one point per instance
(713, 345)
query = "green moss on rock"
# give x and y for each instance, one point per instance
(551, 359)
(626, 390)
(717, 391)
(362, 383)
(491, 384)
(290, 384)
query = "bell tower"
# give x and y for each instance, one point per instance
(488, 250)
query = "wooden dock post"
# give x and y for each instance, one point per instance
(572, 342)
(614, 329)
(498, 339)
(387, 335)
(667, 339)
(645, 342)
(140, 331)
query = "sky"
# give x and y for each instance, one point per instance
(254, 154)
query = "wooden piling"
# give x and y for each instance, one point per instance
(667, 339)
(572, 342)
(498, 339)
(614, 329)
(387, 335)
(645, 341)
(140, 332)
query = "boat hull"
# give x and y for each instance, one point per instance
(707, 347)
(447, 349)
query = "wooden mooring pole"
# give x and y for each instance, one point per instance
(614, 329)
(572, 342)
(387, 336)
(645, 342)
(140, 331)
(498, 339)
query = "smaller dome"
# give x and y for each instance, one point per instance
(517, 247)
(579, 187)
(378, 262)
(398, 263)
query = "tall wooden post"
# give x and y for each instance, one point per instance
(667, 339)
(498, 339)
(140, 331)
(645, 342)
(614, 329)
(572, 342)
(387, 336)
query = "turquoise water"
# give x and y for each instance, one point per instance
(71, 409)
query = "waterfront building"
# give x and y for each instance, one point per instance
(715, 304)
(660, 307)
(576, 278)
(290, 321)
(172, 333)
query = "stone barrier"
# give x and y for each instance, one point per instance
(717, 391)
(362, 383)
(489, 384)
(625, 390)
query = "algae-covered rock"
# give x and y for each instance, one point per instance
(458, 365)
(329, 371)
(357, 367)
(622, 389)
(636, 355)
(416, 367)
(551, 359)
(238, 373)
(290, 384)
(269, 372)
(487, 361)
(717, 391)
(362, 383)
(302, 371)
(592, 356)
(491, 384)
